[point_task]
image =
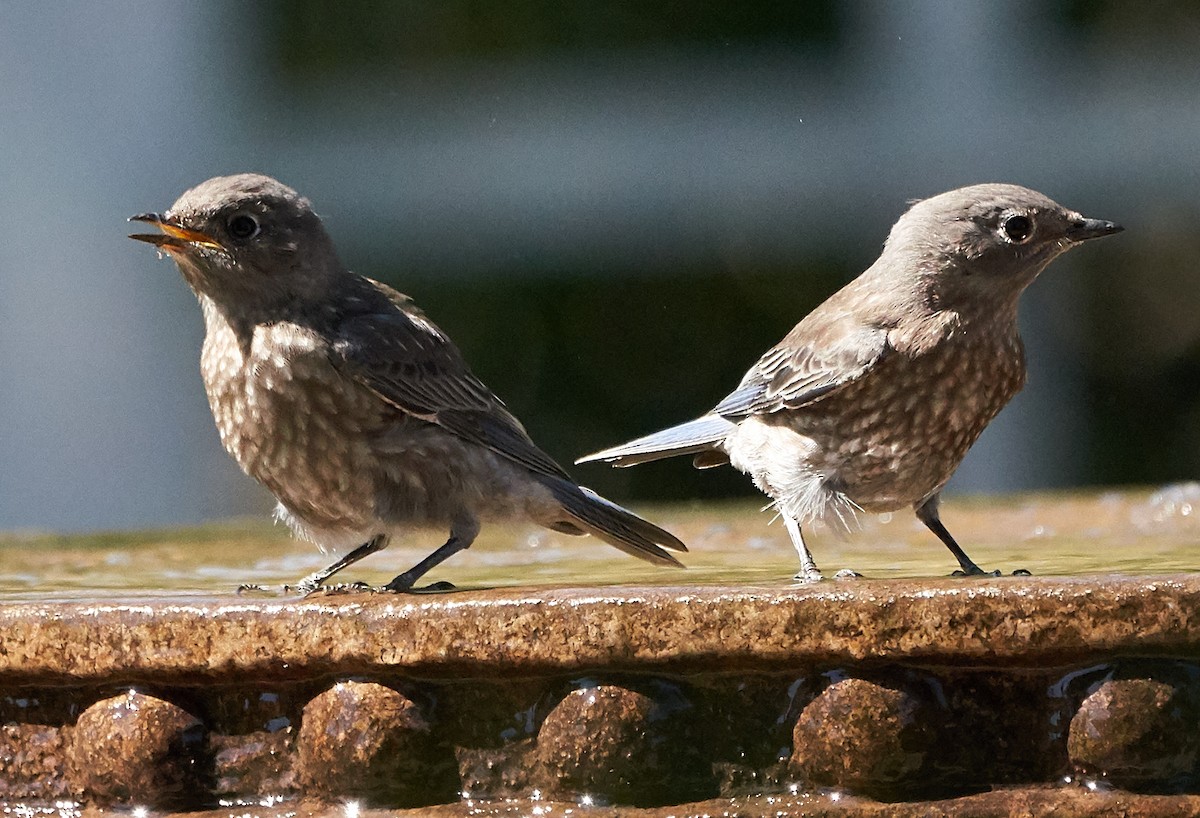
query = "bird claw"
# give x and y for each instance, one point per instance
(1022, 572)
(307, 589)
(348, 588)
(809, 576)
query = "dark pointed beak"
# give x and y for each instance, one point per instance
(1084, 229)
(157, 239)
(172, 237)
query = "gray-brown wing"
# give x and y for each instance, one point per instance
(411, 364)
(805, 366)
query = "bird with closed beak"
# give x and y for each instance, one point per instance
(871, 402)
(336, 393)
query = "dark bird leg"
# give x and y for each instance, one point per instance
(315, 580)
(462, 534)
(927, 513)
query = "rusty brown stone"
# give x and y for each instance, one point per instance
(32, 762)
(136, 749)
(861, 736)
(612, 744)
(1032, 621)
(362, 739)
(996, 648)
(1137, 733)
(596, 742)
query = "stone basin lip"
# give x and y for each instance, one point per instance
(534, 631)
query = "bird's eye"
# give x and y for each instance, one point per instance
(1017, 228)
(242, 226)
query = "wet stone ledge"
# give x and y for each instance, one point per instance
(982, 697)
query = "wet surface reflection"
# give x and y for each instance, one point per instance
(1105, 532)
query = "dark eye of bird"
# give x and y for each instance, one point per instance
(242, 226)
(1017, 228)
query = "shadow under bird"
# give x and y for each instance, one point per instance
(336, 393)
(872, 401)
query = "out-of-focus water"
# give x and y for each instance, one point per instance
(1127, 532)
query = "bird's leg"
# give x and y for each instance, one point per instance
(462, 534)
(315, 580)
(927, 513)
(808, 568)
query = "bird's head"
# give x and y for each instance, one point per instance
(986, 242)
(246, 240)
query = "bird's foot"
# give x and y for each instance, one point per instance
(306, 588)
(847, 573)
(347, 588)
(310, 584)
(404, 585)
(439, 587)
(979, 572)
(807, 576)
(254, 588)
(974, 571)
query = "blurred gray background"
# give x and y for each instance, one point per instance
(614, 209)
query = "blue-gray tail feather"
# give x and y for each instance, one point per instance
(699, 435)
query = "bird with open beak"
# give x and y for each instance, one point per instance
(356, 411)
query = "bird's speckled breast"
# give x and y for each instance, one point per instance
(896, 436)
(274, 402)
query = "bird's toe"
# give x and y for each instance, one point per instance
(978, 572)
(343, 588)
(435, 588)
(847, 573)
(404, 585)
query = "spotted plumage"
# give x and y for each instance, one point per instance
(872, 401)
(344, 400)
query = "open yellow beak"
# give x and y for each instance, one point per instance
(172, 237)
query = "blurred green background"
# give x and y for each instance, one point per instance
(613, 208)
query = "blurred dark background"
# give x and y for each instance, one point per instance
(613, 208)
